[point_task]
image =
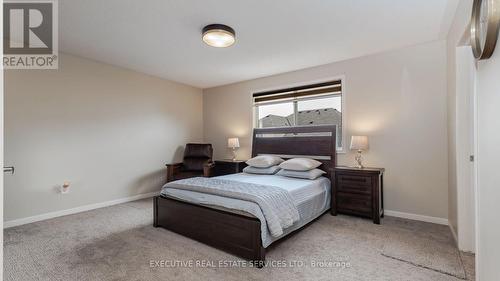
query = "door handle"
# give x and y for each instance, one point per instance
(9, 169)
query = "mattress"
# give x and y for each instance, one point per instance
(311, 197)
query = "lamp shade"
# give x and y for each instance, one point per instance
(359, 142)
(233, 142)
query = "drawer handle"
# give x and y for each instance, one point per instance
(354, 179)
(355, 186)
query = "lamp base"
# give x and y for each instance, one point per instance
(234, 154)
(359, 160)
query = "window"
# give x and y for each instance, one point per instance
(318, 104)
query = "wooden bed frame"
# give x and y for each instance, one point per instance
(237, 234)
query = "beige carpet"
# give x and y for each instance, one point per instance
(119, 243)
(435, 251)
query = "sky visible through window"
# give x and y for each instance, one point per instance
(285, 109)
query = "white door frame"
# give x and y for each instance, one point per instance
(1, 149)
(466, 147)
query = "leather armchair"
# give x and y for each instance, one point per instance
(197, 162)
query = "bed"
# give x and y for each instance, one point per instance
(238, 226)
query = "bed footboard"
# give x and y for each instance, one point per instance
(233, 233)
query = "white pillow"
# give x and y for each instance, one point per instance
(261, 171)
(264, 161)
(300, 164)
(311, 174)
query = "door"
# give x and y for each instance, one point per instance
(465, 147)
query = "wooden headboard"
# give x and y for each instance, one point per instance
(317, 142)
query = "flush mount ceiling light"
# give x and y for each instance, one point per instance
(218, 35)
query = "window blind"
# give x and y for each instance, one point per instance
(318, 89)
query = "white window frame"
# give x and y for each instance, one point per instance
(342, 149)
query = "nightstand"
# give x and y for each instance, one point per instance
(228, 166)
(359, 192)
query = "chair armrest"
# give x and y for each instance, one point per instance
(208, 169)
(172, 169)
(174, 164)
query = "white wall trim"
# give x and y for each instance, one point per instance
(416, 217)
(80, 209)
(84, 208)
(455, 236)
(465, 136)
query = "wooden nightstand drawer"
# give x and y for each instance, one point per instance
(355, 183)
(226, 167)
(358, 191)
(355, 180)
(354, 202)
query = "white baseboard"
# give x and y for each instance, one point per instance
(455, 236)
(416, 217)
(80, 209)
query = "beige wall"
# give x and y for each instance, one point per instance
(107, 130)
(398, 98)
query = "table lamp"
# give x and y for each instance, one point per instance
(359, 143)
(233, 143)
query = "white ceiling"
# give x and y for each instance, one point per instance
(163, 37)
